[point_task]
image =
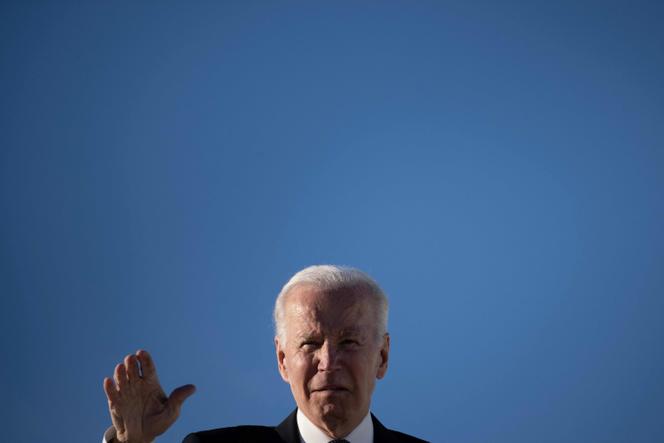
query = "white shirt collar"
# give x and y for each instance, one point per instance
(310, 433)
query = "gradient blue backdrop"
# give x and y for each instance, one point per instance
(497, 166)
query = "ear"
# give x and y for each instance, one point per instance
(384, 357)
(281, 359)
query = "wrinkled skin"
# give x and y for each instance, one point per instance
(331, 355)
(139, 408)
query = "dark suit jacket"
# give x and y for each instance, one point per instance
(286, 432)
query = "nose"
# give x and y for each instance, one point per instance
(327, 357)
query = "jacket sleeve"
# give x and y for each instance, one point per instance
(191, 438)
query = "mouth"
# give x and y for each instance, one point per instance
(330, 388)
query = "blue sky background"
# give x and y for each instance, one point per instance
(497, 167)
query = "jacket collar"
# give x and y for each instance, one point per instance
(289, 433)
(287, 429)
(381, 433)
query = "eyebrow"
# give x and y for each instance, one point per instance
(307, 335)
(344, 333)
(353, 331)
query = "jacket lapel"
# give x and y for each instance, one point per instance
(287, 429)
(289, 432)
(381, 433)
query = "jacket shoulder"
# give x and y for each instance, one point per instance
(384, 435)
(405, 438)
(249, 434)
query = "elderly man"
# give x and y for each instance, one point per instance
(331, 344)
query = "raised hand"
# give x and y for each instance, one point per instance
(139, 408)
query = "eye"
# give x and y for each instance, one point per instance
(309, 344)
(349, 342)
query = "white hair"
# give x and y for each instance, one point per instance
(329, 278)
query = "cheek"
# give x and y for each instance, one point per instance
(365, 369)
(302, 369)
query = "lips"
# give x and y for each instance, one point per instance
(329, 388)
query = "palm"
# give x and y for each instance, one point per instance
(139, 408)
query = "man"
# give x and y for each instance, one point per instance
(331, 344)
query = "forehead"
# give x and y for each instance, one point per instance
(339, 310)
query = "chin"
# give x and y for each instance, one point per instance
(331, 409)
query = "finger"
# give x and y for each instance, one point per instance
(110, 390)
(113, 400)
(120, 376)
(147, 365)
(179, 395)
(131, 364)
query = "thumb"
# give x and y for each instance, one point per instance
(179, 395)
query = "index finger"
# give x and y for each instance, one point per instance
(147, 365)
(110, 390)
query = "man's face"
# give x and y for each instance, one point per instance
(331, 356)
